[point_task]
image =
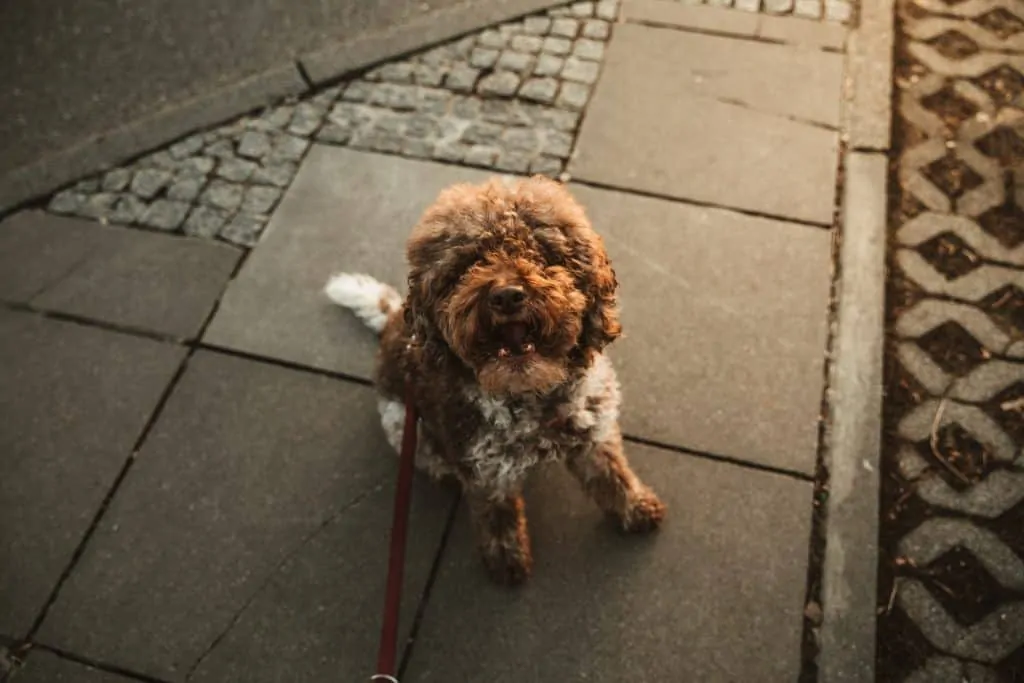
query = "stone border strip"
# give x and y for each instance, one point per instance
(115, 147)
(853, 438)
(853, 447)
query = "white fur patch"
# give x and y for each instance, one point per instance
(371, 300)
(514, 439)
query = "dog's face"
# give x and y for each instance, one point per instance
(514, 281)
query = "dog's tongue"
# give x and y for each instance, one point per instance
(515, 335)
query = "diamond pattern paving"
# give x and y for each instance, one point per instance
(958, 605)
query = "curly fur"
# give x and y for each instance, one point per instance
(500, 389)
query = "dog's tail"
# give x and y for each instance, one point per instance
(374, 302)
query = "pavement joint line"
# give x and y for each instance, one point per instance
(109, 497)
(810, 646)
(301, 68)
(853, 448)
(696, 202)
(92, 322)
(332, 374)
(424, 599)
(290, 365)
(95, 664)
(715, 457)
(746, 37)
(272, 573)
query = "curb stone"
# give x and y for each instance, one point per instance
(115, 147)
(853, 438)
(853, 441)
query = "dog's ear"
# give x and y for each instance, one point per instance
(563, 228)
(601, 317)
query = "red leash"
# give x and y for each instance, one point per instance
(386, 655)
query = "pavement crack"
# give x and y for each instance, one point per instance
(736, 102)
(272, 574)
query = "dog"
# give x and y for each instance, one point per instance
(511, 304)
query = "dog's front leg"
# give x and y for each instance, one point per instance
(605, 474)
(500, 523)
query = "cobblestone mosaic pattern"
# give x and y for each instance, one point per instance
(953, 500)
(508, 98)
(829, 10)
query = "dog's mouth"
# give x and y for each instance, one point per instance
(515, 340)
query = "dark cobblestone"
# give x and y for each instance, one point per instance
(500, 83)
(147, 183)
(186, 189)
(116, 180)
(237, 170)
(539, 90)
(260, 200)
(205, 221)
(243, 229)
(223, 195)
(165, 214)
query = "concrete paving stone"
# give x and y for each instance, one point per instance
(799, 31)
(138, 279)
(143, 280)
(810, 9)
(74, 400)
(317, 617)
(725, 320)
(743, 150)
(37, 249)
(277, 461)
(717, 593)
(45, 667)
(346, 210)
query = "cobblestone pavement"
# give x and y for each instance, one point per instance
(508, 98)
(952, 595)
(830, 10)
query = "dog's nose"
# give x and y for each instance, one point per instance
(508, 299)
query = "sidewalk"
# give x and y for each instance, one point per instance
(196, 485)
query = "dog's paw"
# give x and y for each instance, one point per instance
(508, 565)
(644, 514)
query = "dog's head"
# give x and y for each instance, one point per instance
(514, 281)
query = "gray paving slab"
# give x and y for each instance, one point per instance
(137, 279)
(700, 17)
(73, 400)
(38, 249)
(804, 32)
(716, 595)
(346, 211)
(45, 667)
(318, 619)
(247, 465)
(725, 320)
(711, 119)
